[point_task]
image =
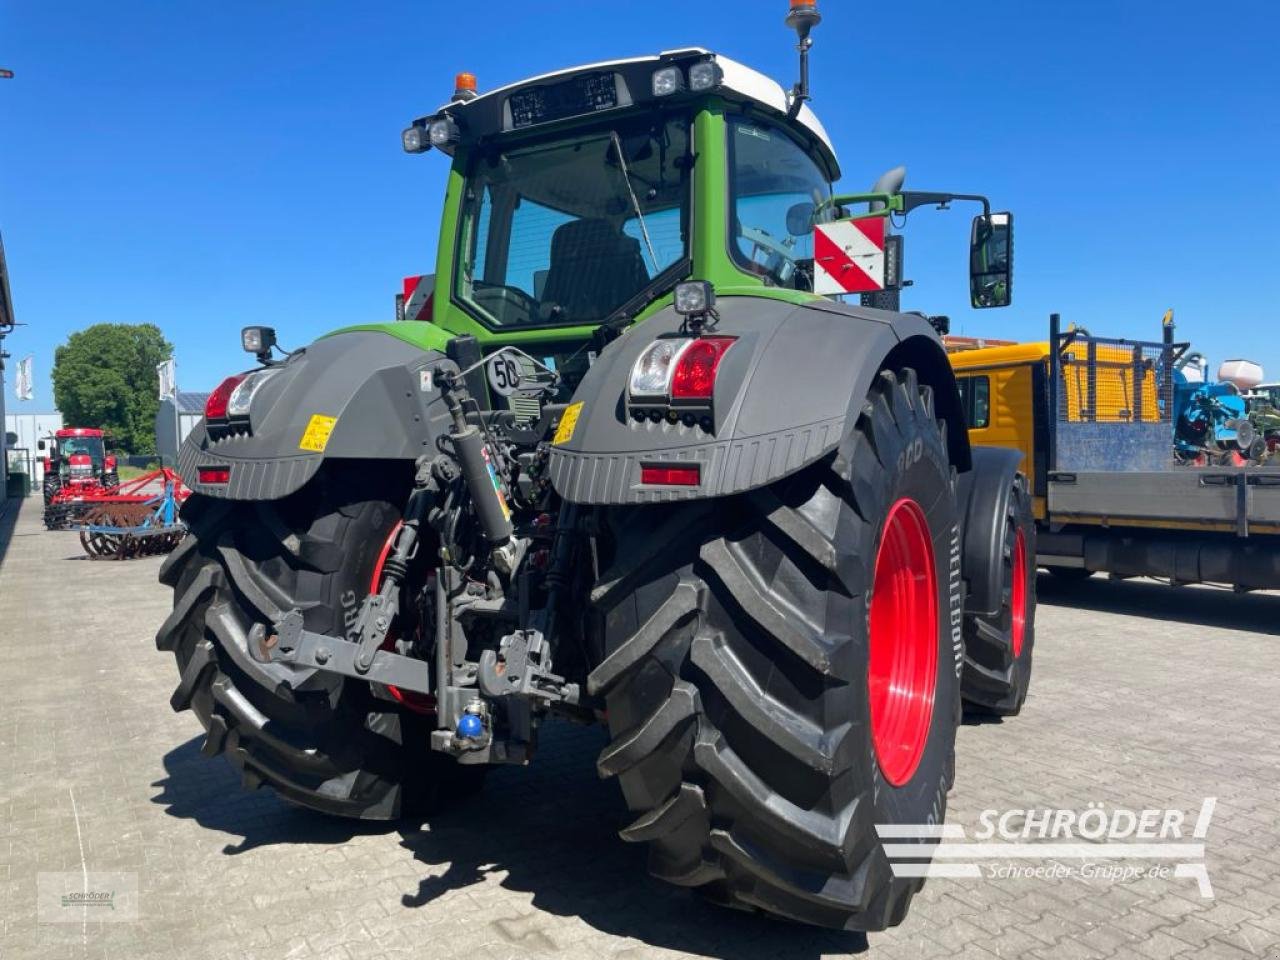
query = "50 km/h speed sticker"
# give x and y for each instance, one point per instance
(504, 374)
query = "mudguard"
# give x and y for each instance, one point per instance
(362, 395)
(787, 393)
(984, 503)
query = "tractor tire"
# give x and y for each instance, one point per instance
(997, 650)
(52, 484)
(321, 741)
(111, 479)
(781, 674)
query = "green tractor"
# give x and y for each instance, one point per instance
(634, 471)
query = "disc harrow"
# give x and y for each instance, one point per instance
(133, 522)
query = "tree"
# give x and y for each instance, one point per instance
(105, 376)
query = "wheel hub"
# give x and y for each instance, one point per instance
(903, 621)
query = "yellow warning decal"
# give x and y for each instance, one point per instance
(568, 421)
(316, 437)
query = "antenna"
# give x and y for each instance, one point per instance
(802, 18)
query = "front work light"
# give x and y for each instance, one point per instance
(704, 75)
(415, 140)
(444, 132)
(694, 297)
(667, 81)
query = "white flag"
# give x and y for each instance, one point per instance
(24, 387)
(168, 373)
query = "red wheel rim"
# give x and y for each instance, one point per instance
(902, 669)
(1018, 601)
(419, 702)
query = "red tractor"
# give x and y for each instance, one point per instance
(76, 465)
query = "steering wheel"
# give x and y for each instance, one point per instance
(778, 259)
(509, 305)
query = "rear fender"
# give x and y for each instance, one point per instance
(984, 494)
(788, 392)
(357, 395)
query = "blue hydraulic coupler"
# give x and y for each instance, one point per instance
(470, 727)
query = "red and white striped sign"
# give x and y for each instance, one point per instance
(848, 256)
(417, 296)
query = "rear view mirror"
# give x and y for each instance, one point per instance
(800, 219)
(991, 261)
(39, 444)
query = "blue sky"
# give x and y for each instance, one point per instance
(207, 165)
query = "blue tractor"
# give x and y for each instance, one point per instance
(1211, 422)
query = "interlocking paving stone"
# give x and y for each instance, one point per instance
(1143, 697)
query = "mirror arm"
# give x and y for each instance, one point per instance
(906, 201)
(917, 198)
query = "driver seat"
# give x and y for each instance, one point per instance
(594, 269)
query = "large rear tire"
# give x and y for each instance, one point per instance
(997, 649)
(320, 741)
(52, 484)
(782, 676)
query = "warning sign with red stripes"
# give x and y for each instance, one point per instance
(848, 256)
(417, 296)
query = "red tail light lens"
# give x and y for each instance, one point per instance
(695, 373)
(213, 474)
(672, 476)
(215, 408)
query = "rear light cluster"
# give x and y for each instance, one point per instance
(674, 379)
(215, 408)
(679, 368)
(213, 474)
(232, 398)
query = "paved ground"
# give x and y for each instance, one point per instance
(1143, 697)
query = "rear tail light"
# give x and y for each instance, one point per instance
(242, 396)
(213, 474)
(695, 370)
(678, 368)
(671, 475)
(215, 408)
(651, 375)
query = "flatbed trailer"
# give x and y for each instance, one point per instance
(1092, 417)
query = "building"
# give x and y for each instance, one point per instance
(6, 327)
(24, 432)
(172, 428)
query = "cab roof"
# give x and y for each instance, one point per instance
(738, 83)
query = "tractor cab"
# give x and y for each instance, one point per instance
(581, 197)
(578, 200)
(78, 455)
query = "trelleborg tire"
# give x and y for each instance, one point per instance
(750, 647)
(52, 484)
(998, 649)
(320, 741)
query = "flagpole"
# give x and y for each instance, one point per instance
(177, 417)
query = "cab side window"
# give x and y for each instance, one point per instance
(778, 192)
(975, 401)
